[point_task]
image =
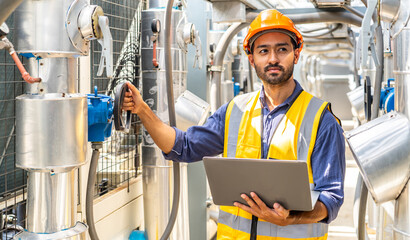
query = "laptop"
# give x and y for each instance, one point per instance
(283, 181)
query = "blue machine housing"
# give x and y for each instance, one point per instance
(100, 112)
(387, 97)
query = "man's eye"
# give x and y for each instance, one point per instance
(263, 51)
(283, 49)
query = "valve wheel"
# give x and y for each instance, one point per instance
(122, 121)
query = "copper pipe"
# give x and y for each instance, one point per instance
(154, 58)
(26, 76)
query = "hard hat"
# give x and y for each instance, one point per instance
(271, 20)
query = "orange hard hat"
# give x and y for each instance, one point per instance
(271, 20)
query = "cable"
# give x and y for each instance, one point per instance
(89, 199)
(172, 118)
(329, 30)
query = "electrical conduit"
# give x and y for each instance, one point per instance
(89, 203)
(172, 118)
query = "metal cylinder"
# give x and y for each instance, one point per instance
(51, 131)
(50, 202)
(401, 227)
(381, 150)
(58, 75)
(42, 29)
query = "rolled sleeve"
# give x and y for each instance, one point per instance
(328, 165)
(200, 141)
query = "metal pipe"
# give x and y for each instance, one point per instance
(6, 8)
(216, 68)
(379, 72)
(329, 50)
(322, 41)
(306, 35)
(318, 17)
(251, 80)
(352, 10)
(172, 117)
(89, 199)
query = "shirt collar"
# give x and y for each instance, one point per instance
(288, 101)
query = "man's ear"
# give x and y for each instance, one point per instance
(250, 58)
(297, 55)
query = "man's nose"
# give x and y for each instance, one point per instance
(273, 58)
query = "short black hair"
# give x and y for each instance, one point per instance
(291, 39)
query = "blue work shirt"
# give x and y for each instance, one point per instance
(328, 156)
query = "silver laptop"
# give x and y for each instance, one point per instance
(282, 181)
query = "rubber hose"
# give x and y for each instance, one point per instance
(172, 118)
(89, 199)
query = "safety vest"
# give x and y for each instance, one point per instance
(294, 138)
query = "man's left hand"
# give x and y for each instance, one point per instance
(277, 215)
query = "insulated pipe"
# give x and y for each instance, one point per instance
(318, 17)
(352, 10)
(89, 199)
(172, 118)
(216, 69)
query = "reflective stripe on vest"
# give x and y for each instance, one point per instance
(294, 138)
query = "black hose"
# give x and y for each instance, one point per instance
(89, 199)
(172, 118)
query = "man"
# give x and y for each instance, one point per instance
(280, 121)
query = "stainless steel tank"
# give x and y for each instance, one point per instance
(51, 131)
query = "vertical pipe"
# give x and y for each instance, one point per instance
(218, 63)
(50, 201)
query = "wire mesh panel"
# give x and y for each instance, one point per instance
(119, 157)
(12, 180)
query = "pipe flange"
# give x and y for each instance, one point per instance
(78, 229)
(72, 27)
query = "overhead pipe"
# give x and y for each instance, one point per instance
(318, 17)
(216, 68)
(172, 118)
(352, 10)
(322, 41)
(329, 30)
(328, 50)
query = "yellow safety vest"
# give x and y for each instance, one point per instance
(294, 138)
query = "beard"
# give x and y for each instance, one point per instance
(274, 78)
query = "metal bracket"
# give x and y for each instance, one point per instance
(198, 53)
(106, 44)
(366, 33)
(214, 68)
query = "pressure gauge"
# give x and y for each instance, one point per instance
(156, 25)
(4, 30)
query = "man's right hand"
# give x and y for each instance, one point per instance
(132, 101)
(163, 134)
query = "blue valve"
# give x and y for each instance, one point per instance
(137, 235)
(387, 97)
(100, 112)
